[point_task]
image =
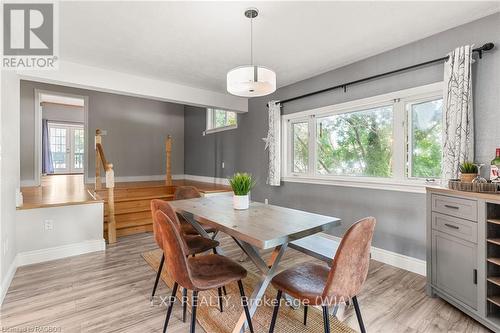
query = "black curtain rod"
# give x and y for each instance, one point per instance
(479, 50)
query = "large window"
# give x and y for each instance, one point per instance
(393, 138)
(67, 146)
(219, 120)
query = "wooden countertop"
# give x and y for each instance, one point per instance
(490, 197)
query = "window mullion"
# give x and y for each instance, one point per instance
(399, 141)
(312, 145)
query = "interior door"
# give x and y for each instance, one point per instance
(67, 147)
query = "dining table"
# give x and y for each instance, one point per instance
(256, 229)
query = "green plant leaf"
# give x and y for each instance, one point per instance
(241, 183)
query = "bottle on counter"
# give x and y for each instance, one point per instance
(494, 168)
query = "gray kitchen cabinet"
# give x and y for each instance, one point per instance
(455, 267)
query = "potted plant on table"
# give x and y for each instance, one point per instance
(468, 171)
(242, 183)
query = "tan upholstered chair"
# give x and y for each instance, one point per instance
(196, 273)
(316, 284)
(190, 192)
(193, 244)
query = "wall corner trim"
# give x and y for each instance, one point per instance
(4, 286)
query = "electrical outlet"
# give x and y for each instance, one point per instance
(266, 201)
(48, 225)
(222, 165)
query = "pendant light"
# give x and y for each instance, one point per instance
(251, 80)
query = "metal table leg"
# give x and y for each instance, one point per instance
(267, 273)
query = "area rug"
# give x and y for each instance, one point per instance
(213, 321)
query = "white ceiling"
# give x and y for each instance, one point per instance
(196, 43)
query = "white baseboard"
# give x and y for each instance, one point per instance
(59, 252)
(222, 181)
(395, 259)
(4, 286)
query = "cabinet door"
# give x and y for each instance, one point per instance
(454, 267)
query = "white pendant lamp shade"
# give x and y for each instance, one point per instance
(251, 81)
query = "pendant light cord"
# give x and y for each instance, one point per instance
(251, 41)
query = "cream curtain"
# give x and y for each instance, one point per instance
(458, 125)
(273, 143)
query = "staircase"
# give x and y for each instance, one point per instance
(132, 207)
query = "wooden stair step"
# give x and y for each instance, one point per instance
(128, 224)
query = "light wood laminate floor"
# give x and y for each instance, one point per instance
(109, 292)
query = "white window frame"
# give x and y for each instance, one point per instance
(210, 122)
(400, 180)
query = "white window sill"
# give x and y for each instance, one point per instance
(219, 129)
(412, 186)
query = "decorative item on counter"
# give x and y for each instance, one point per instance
(456, 184)
(241, 183)
(495, 167)
(468, 171)
(478, 179)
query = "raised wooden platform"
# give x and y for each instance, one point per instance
(132, 199)
(57, 190)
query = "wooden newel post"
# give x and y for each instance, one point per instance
(98, 140)
(110, 184)
(168, 149)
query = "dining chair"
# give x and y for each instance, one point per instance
(319, 285)
(194, 244)
(201, 273)
(191, 192)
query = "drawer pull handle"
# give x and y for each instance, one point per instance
(451, 226)
(452, 207)
(474, 276)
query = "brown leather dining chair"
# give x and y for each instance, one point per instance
(190, 192)
(195, 244)
(319, 285)
(196, 273)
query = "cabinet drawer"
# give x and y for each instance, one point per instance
(463, 208)
(464, 229)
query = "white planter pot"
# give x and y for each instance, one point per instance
(241, 201)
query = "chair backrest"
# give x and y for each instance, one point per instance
(352, 259)
(186, 192)
(174, 251)
(163, 206)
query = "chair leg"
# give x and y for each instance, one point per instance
(275, 311)
(219, 290)
(184, 304)
(326, 319)
(224, 290)
(245, 305)
(171, 302)
(305, 314)
(358, 314)
(193, 311)
(158, 274)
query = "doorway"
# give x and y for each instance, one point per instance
(61, 134)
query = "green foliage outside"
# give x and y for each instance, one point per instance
(224, 118)
(360, 143)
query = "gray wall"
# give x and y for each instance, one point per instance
(64, 113)
(400, 215)
(136, 131)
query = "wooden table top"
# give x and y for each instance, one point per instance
(264, 226)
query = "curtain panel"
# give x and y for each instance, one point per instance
(458, 120)
(47, 164)
(273, 144)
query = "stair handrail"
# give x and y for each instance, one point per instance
(100, 157)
